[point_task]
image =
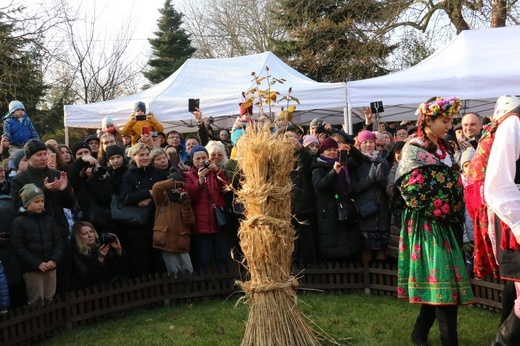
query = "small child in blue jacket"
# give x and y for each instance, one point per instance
(18, 128)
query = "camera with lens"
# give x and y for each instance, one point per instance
(176, 195)
(99, 171)
(106, 238)
(207, 163)
(211, 120)
(320, 129)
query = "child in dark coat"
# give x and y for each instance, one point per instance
(37, 243)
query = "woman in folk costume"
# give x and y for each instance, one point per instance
(502, 179)
(431, 269)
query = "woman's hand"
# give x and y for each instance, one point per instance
(116, 245)
(145, 202)
(202, 172)
(337, 167)
(213, 167)
(102, 252)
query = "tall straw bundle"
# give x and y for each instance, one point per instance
(267, 240)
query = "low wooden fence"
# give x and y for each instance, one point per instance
(26, 325)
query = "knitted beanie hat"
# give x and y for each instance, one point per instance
(308, 139)
(467, 155)
(15, 105)
(365, 135)
(140, 105)
(328, 143)
(32, 147)
(106, 121)
(78, 146)
(30, 192)
(114, 150)
(316, 122)
(196, 149)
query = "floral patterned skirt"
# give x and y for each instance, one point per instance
(431, 267)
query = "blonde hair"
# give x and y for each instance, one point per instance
(156, 152)
(138, 147)
(82, 247)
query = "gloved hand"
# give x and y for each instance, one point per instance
(372, 172)
(175, 174)
(378, 174)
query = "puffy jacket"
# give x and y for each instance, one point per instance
(135, 128)
(172, 219)
(205, 220)
(19, 132)
(35, 239)
(55, 201)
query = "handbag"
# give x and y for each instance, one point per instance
(368, 209)
(129, 214)
(347, 210)
(220, 213)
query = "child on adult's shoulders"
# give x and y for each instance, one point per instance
(141, 123)
(18, 128)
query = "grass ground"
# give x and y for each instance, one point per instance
(352, 319)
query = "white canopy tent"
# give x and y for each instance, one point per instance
(478, 66)
(218, 83)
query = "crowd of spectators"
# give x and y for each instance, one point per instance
(77, 242)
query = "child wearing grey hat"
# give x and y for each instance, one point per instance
(38, 245)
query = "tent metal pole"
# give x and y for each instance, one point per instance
(67, 136)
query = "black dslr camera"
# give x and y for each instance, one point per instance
(106, 238)
(99, 171)
(207, 163)
(320, 129)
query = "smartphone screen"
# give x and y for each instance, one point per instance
(193, 104)
(145, 130)
(174, 159)
(343, 157)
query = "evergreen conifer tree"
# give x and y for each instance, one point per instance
(172, 46)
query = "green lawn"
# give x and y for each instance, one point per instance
(353, 319)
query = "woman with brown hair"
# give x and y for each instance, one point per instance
(431, 269)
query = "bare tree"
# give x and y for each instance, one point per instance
(227, 28)
(100, 67)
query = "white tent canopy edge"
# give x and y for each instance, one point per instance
(478, 66)
(218, 83)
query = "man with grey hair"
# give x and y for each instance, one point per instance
(471, 129)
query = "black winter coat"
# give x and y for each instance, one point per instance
(136, 186)
(55, 201)
(364, 190)
(88, 271)
(338, 241)
(303, 196)
(35, 239)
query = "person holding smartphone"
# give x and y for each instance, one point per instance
(338, 241)
(141, 123)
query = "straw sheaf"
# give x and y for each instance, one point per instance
(267, 241)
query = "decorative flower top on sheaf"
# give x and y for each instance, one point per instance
(441, 106)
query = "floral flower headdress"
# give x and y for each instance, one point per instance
(441, 106)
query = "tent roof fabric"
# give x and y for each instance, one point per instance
(478, 66)
(219, 84)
